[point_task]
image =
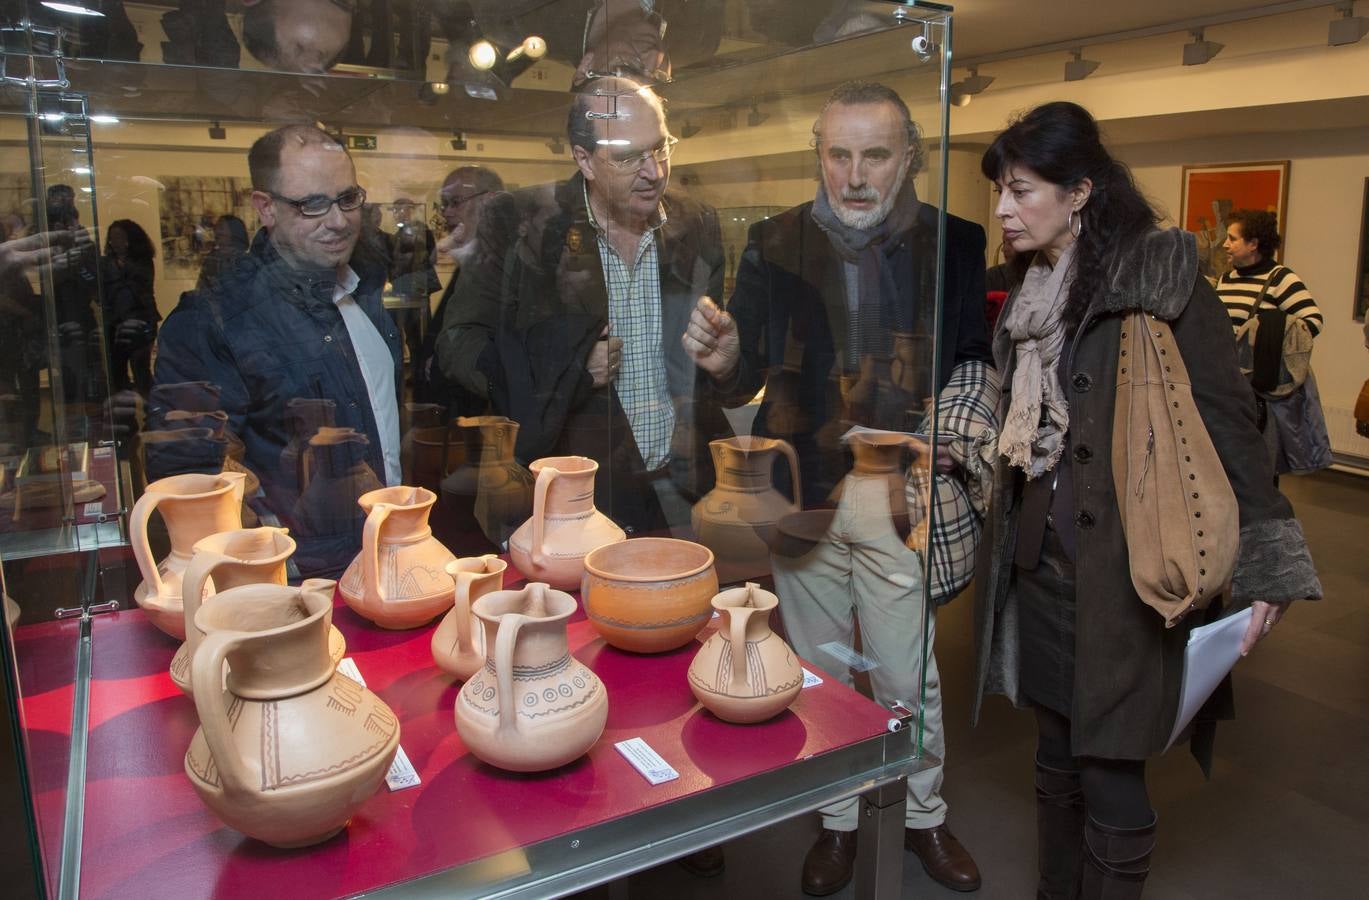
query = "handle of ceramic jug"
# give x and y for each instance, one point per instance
(737, 617)
(137, 536)
(239, 482)
(794, 488)
(462, 609)
(509, 626)
(202, 565)
(206, 681)
(539, 510)
(370, 550)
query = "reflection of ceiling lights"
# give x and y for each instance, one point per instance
(533, 47)
(458, 140)
(756, 117)
(105, 120)
(1200, 51)
(974, 83)
(74, 9)
(1348, 29)
(1078, 68)
(217, 132)
(556, 145)
(482, 55)
(689, 129)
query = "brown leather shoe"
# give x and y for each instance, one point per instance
(827, 867)
(944, 857)
(704, 863)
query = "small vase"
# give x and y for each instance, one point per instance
(290, 749)
(737, 519)
(551, 546)
(533, 706)
(193, 507)
(744, 673)
(459, 640)
(398, 579)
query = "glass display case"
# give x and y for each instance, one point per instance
(415, 307)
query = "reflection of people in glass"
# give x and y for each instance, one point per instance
(1060, 625)
(230, 246)
(127, 273)
(23, 351)
(293, 324)
(75, 287)
(413, 275)
(834, 311)
(464, 195)
(297, 35)
(569, 320)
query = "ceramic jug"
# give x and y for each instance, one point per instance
(334, 475)
(878, 456)
(551, 546)
(290, 748)
(398, 579)
(533, 706)
(492, 484)
(304, 416)
(744, 673)
(459, 640)
(193, 507)
(423, 449)
(737, 519)
(227, 560)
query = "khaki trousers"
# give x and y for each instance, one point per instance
(862, 570)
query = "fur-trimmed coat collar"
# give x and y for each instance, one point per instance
(1156, 274)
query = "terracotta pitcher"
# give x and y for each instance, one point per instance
(492, 483)
(290, 749)
(227, 560)
(551, 546)
(533, 706)
(397, 580)
(459, 640)
(737, 519)
(878, 455)
(193, 507)
(744, 673)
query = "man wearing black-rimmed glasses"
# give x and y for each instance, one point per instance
(294, 327)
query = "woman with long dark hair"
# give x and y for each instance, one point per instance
(127, 273)
(1060, 626)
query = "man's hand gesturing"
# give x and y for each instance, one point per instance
(711, 340)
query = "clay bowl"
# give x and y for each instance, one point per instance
(650, 594)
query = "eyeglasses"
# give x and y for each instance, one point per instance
(660, 155)
(316, 206)
(445, 202)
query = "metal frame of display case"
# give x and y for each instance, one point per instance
(875, 769)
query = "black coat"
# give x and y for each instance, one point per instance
(1128, 666)
(527, 311)
(790, 309)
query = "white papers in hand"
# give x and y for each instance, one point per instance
(1211, 653)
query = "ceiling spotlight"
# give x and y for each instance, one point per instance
(1346, 30)
(1078, 69)
(105, 120)
(429, 91)
(1200, 51)
(556, 145)
(533, 47)
(483, 55)
(756, 117)
(974, 83)
(689, 129)
(217, 132)
(458, 140)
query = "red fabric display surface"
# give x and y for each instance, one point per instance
(147, 834)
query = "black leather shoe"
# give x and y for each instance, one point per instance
(704, 863)
(827, 867)
(944, 857)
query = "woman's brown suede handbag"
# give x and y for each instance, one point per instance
(1178, 510)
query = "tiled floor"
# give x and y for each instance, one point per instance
(1286, 814)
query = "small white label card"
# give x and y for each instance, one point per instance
(810, 680)
(845, 654)
(646, 761)
(402, 773)
(93, 508)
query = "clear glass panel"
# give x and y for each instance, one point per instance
(652, 240)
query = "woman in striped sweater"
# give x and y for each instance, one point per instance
(1252, 238)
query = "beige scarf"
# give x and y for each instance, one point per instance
(1030, 440)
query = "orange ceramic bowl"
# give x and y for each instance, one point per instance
(649, 594)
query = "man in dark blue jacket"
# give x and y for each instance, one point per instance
(293, 325)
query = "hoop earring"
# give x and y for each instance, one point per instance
(1069, 223)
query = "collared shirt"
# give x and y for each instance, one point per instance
(634, 315)
(377, 369)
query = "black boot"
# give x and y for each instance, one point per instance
(1059, 832)
(1116, 860)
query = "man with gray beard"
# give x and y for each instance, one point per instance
(834, 313)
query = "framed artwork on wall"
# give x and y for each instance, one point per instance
(1211, 192)
(1362, 270)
